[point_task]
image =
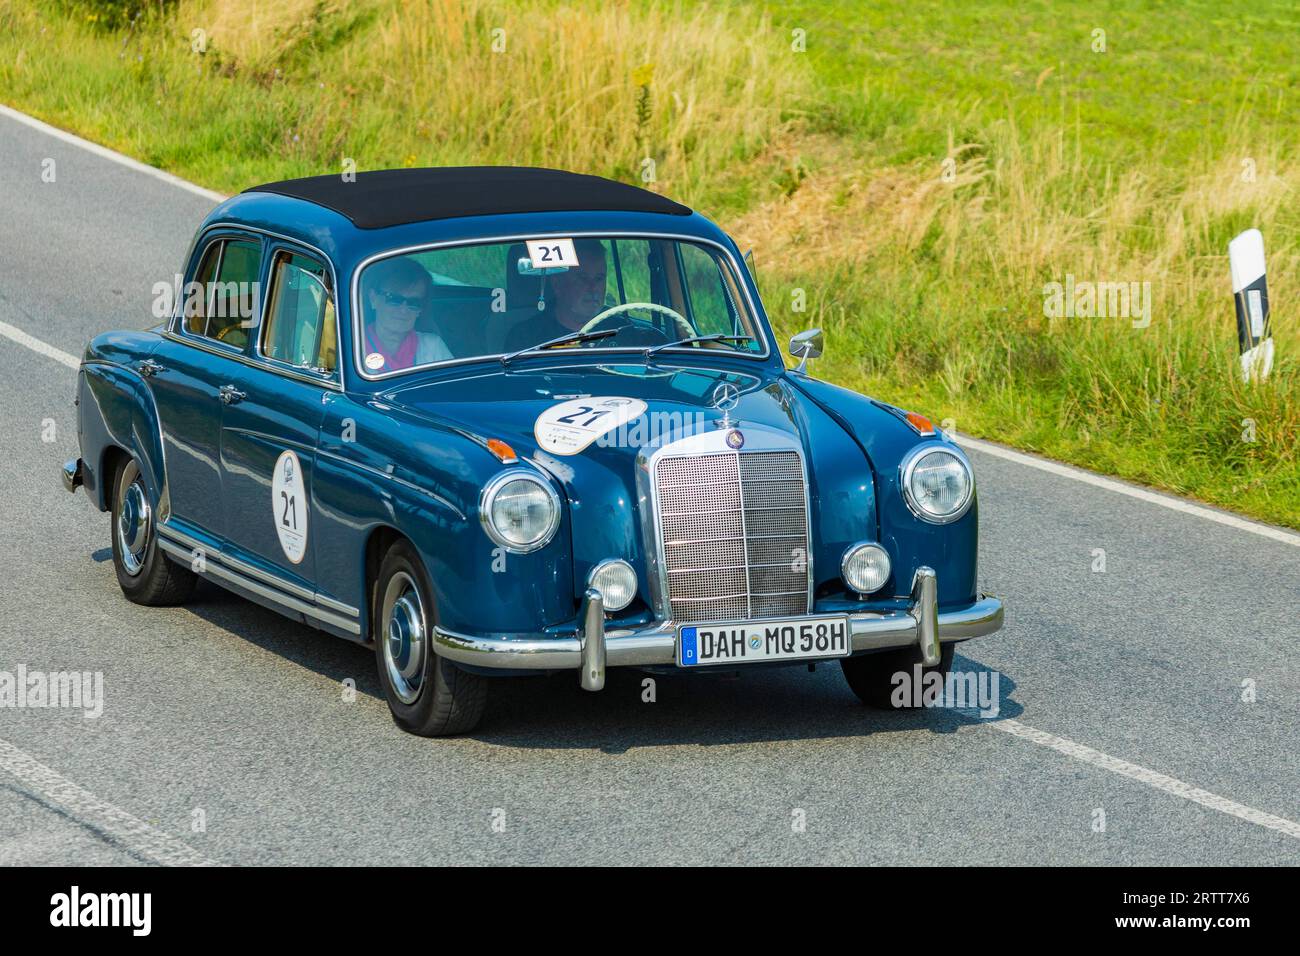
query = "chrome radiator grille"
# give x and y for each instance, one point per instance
(734, 532)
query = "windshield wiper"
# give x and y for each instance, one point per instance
(572, 338)
(715, 337)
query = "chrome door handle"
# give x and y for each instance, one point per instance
(230, 395)
(148, 368)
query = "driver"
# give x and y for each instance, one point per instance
(573, 298)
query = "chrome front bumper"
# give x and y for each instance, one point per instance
(594, 647)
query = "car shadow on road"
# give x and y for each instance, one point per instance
(759, 706)
(636, 708)
(298, 643)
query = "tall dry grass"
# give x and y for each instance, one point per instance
(670, 95)
(932, 288)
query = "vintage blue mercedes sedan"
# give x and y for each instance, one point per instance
(501, 421)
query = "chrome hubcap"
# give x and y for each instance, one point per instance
(404, 640)
(134, 520)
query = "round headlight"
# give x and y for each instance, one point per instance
(865, 567)
(616, 582)
(937, 485)
(519, 511)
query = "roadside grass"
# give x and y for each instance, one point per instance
(911, 183)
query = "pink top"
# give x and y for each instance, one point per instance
(404, 357)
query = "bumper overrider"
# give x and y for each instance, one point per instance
(594, 647)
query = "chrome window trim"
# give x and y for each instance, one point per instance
(908, 465)
(177, 326)
(489, 492)
(299, 370)
(758, 438)
(358, 365)
(337, 382)
(244, 359)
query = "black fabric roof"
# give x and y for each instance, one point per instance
(392, 197)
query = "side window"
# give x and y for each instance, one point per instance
(710, 299)
(300, 328)
(225, 303)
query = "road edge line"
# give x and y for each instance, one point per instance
(36, 345)
(1133, 491)
(110, 154)
(1151, 778)
(132, 833)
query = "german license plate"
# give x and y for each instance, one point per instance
(803, 638)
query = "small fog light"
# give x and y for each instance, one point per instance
(866, 567)
(616, 582)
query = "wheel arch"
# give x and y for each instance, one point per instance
(118, 417)
(378, 541)
(110, 460)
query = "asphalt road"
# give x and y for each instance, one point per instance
(1121, 691)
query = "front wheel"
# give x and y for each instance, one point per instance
(145, 574)
(872, 676)
(428, 695)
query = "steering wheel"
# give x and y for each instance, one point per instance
(684, 330)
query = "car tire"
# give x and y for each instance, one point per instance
(145, 575)
(871, 676)
(428, 695)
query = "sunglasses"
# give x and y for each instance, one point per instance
(415, 302)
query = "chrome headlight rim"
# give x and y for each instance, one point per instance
(608, 563)
(488, 496)
(908, 467)
(853, 549)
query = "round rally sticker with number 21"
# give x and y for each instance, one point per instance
(289, 501)
(569, 427)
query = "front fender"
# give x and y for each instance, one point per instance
(952, 550)
(423, 479)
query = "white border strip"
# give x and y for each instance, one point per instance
(105, 153)
(36, 345)
(1142, 494)
(1151, 778)
(132, 833)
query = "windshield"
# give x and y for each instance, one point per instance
(487, 299)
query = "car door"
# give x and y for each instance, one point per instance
(272, 423)
(202, 351)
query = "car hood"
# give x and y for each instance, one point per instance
(508, 403)
(599, 480)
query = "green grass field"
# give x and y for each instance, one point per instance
(911, 175)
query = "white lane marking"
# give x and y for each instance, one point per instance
(1149, 777)
(1142, 494)
(36, 345)
(132, 833)
(105, 153)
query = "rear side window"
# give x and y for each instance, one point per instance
(300, 328)
(224, 304)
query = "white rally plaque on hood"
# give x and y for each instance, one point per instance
(569, 427)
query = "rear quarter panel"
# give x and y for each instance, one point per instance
(115, 410)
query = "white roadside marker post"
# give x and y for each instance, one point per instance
(1250, 290)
